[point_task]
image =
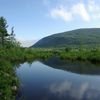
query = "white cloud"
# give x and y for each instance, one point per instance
(61, 13)
(69, 14)
(94, 9)
(79, 9)
(87, 11)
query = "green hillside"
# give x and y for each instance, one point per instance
(79, 37)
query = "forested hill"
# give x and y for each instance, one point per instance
(87, 36)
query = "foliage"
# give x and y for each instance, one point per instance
(11, 52)
(7, 80)
(3, 30)
(75, 38)
(7, 73)
(84, 54)
(13, 55)
(6, 40)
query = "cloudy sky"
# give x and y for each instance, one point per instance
(34, 19)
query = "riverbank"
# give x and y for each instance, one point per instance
(8, 81)
(92, 55)
(10, 57)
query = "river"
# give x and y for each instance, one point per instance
(56, 79)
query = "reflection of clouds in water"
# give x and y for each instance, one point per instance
(93, 94)
(79, 92)
(61, 89)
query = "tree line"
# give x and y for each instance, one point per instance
(7, 40)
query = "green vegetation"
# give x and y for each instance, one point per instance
(3, 31)
(11, 54)
(23, 54)
(8, 80)
(8, 59)
(84, 54)
(89, 37)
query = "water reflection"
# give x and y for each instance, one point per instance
(84, 91)
(80, 67)
(42, 82)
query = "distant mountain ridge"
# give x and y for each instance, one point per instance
(86, 36)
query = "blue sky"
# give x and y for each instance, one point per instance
(34, 19)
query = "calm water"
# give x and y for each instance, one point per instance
(41, 80)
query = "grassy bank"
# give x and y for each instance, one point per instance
(8, 81)
(81, 54)
(9, 57)
(92, 55)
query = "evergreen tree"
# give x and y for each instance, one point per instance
(3, 31)
(7, 40)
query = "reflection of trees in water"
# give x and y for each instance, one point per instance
(69, 86)
(73, 66)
